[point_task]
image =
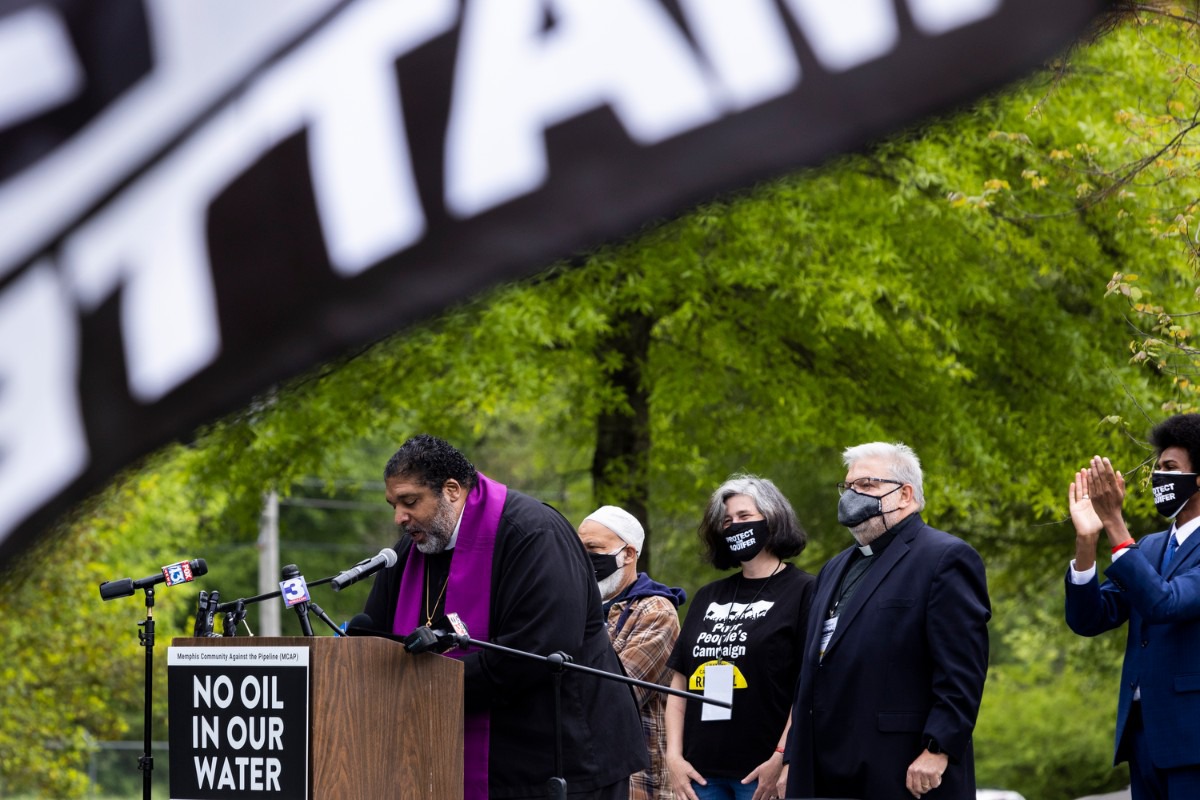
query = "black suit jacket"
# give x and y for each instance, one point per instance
(907, 661)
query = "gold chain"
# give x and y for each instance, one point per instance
(429, 611)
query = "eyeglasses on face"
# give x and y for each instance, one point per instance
(864, 485)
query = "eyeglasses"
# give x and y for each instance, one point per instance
(864, 485)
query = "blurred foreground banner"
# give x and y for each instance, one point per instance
(199, 199)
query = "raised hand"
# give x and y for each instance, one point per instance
(1106, 489)
(1083, 515)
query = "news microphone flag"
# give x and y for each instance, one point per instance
(294, 591)
(180, 572)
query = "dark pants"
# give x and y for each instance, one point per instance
(1148, 782)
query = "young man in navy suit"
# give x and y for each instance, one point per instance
(897, 648)
(1154, 585)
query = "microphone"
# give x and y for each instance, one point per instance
(171, 574)
(364, 568)
(210, 612)
(294, 591)
(447, 631)
(234, 616)
(360, 624)
(201, 628)
(363, 625)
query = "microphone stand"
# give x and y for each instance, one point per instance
(146, 639)
(235, 610)
(321, 615)
(559, 663)
(234, 617)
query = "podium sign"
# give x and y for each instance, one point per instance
(381, 723)
(240, 724)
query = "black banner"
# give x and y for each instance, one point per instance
(200, 199)
(239, 723)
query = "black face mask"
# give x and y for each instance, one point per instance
(604, 564)
(1172, 490)
(855, 508)
(745, 540)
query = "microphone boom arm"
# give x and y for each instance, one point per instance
(560, 660)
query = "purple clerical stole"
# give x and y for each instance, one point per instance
(468, 594)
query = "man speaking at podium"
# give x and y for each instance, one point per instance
(514, 571)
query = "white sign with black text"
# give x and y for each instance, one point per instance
(239, 722)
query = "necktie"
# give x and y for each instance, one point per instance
(1172, 545)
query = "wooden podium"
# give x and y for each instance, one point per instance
(384, 723)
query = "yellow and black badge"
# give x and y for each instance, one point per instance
(696, 681)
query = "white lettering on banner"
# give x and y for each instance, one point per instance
(514, 80)
(206, 732)
(254, 774)
(747, 47)
(151, 239)
(43, 446)
(200, 52)
(38, 63)
(264, 694)
(344, 86)
(935, 17)
(848, 33)
(258, 732)
(150, 242)
(206, 692)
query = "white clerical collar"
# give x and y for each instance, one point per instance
(457, 525)
(866, 550)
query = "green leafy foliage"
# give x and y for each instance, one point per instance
(1049, 708)
(73, 667)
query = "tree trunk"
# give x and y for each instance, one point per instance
(620, 465)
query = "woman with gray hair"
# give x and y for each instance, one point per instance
(745, 631)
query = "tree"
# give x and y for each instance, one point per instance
(73, 668)
(1137, 166)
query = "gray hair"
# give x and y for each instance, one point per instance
(902, 464)
(786, 538)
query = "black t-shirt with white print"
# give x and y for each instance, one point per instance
(758, 626)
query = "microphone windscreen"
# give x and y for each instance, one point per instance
(361, 625)
(199, 567)
(389, 557)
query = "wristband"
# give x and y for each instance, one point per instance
(1123, 545)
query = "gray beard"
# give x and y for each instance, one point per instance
(437, 538)
(434, 543)
(611, 585)
(869, 531)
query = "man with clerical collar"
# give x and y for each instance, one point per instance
(643, 625)
(897, 648)
(514, 571)
(1153, 586)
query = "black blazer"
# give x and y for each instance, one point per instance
(906, 662)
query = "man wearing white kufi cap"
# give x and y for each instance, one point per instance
(643, 624)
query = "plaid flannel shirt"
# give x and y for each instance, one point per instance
(643, 644)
